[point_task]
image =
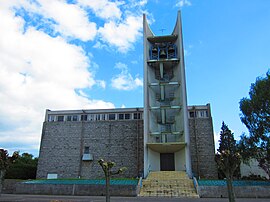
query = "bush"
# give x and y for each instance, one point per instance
(25, 167)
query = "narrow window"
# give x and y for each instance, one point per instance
(97, 117)
(60, 118)
(69, 118)
(91, 117)
(202, 113)
(50, 118)
(84, 117)
(206, 113)
(191, 114)
(103, 117)
(120, 116)
(111, 116)
(137, 116)
(127, 116)
(86, 150)
(74, 118)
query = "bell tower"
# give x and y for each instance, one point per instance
(166, 132)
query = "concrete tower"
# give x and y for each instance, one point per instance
(166, 129)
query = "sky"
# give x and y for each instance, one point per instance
(88, 54)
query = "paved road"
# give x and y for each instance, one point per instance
(49, 198)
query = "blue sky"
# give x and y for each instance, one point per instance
(57, 54)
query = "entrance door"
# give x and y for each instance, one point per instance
(167, 162)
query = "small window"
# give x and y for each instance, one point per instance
(50, 118)
(97, 117)
(91, 117)
(86, 155)
(69, 118)
(137, 116)
(74, 118)
(60, 118)
(103, 117)
(52, 176)
(127, 116)
(206, 113)
(120, 116)
(202, 114)
(84, 117)
(191, 114)
(86, 150)
(111, 116)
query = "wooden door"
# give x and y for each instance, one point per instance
(167, 162)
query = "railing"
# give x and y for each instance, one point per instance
(139, 186)
(165, 138)
(196, 185)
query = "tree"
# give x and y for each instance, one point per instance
(256, 116)
(228, 158)
(25, 167)
(107, 169)
(5, 161)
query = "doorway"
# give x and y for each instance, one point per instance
(167, 162)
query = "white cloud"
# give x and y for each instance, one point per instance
(134, 62)
(101, 83)
(142, 2)
(122, 22)
(103, 8)
(122, 35)
(99, 45)
(38, 72)
(83, 94)
(183, 3)
(124, 80)
(71, 20)
(136, 3)
(138, 81)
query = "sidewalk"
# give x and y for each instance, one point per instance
(49, 198)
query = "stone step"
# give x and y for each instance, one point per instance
(168, 184)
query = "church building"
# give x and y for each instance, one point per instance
(165, 135)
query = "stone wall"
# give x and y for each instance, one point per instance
(202, 148)
(63, 144)
(75, 189)
(9, 186)
(60, 151)
(240, 191)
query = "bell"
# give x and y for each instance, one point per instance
(171, 49)
(162, 54)
(154, 50)
(154, 53)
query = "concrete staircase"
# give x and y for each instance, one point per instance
(168, 184)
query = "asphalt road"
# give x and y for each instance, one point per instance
(50, 198)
